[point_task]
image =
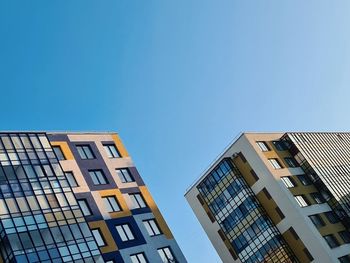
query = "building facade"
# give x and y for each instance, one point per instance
(274, 197)
(77, 197)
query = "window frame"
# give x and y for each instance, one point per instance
(59, 155)
(96, 172)
(317, 197)
(126, 232)
(100, 237)
(305, 181)
(288, 181)
(275, 163)
(263, 146)
(345, 236)
(137, 205)
(111, 150)
(280, 145)
(123, 178)
(85, 152)
(152, 229)
(331, 241)
(344, 259)
(144, 259)
(300, 199)
(86, 206)
(106, 199)
(332, 217)
(168, 259)
(291, 162)
(72, 178)
(317, 220)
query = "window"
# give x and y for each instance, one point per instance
(255, 176)
(59, 154)
(263, 146)
(345, 259)
(166, 255)
(280, 145)
(124, 175)
(345, 235)
(111, 203)
(266, 193)
(84, 207)
(301, 200)
(275, 163)
(137, 200)
(111, 151)
(97, 177)
(294, 234)
(291, 162)
(98, 237)
(332, 217)
(152, 227)
(279, 212)
(288, 182)
(138, 258)
(85, 152)
(304, 179)
(318, 198)
(331, 241)
(71, 179)
(317, 220)
(125, 233)
(308, 255)
(326, 195)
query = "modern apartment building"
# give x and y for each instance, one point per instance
(278, 197)
(77, 197)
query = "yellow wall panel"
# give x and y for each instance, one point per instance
(152, 205)
(65, 149)
(116, 192)
(110, 246)
(120, 145)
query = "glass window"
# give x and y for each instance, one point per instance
(111, 204)
(291, 162)
(345, 259)
(111, 150)
(263, 146)
(59, 154)
(331, 241)
(3, 208)
(318, 198)
(97, 177)
(85, 152)
(301, 200)
(166, 255)
(275, 163)
(124, 175)
(98, 237)
(138, 258)
(152, 227)
(288, 182)
(345, 235)
(71, 179)
(332, 217)
(304, 179)
(137, 201)
(280, 145)
(84, 207)
(317, 220)
(125, 233)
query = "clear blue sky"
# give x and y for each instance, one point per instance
(177, 79)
